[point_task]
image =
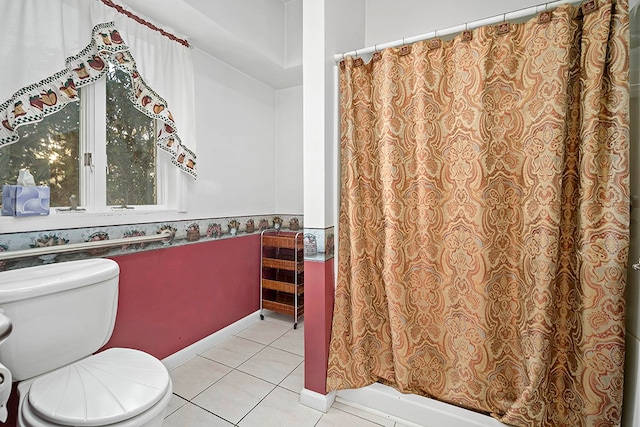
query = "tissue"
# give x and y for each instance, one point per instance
(25, 198)
(25, 178)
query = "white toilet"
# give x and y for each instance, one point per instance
(61, 314)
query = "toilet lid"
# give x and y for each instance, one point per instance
(111, 386)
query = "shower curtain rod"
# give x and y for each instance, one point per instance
(521, 13)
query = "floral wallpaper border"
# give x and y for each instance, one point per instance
(318, 244)
(186, 232)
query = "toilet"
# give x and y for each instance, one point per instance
(61, 315)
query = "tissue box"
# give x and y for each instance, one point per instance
(18, 200)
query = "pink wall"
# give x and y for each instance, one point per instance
(171, 298)
(318, 313)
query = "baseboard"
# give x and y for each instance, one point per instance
(188, 353)
(320, 402)
(411, 409)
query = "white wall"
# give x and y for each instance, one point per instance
(236, 128)
(389, 21)
(329, 27)
(288, 151)
(313, 76)
(249, 135)
(261, 21)
(293, 34)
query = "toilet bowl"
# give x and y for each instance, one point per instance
(117, 387)
(61, 314)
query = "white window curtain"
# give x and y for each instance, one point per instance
(40, 35)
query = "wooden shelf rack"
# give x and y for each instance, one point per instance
(282, 273)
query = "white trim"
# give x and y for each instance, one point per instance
(317, 401)
(87, 196)
(182, 189)
(394, 419)
(188, 353)
(99, 147)
(386, 401)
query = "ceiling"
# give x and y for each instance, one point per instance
(199, 22)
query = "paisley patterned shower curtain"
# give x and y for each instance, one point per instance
(484, 219)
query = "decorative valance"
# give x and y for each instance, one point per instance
(31, 103)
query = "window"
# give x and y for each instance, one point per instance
(50, 150)
(131, 146)
(92, 136)
(101, 150)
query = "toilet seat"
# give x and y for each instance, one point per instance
(108, 388)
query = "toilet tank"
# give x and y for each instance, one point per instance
(60, 313)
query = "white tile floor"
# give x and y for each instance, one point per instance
(254, 378)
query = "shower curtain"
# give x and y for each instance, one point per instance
(484, 219)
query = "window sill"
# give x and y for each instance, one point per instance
(66, 220)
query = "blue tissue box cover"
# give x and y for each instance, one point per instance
(18, 200)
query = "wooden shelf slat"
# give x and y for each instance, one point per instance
(277, 285)
(282, 308)
(283, 240)
(282, 264)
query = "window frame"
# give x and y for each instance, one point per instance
(93, 179)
